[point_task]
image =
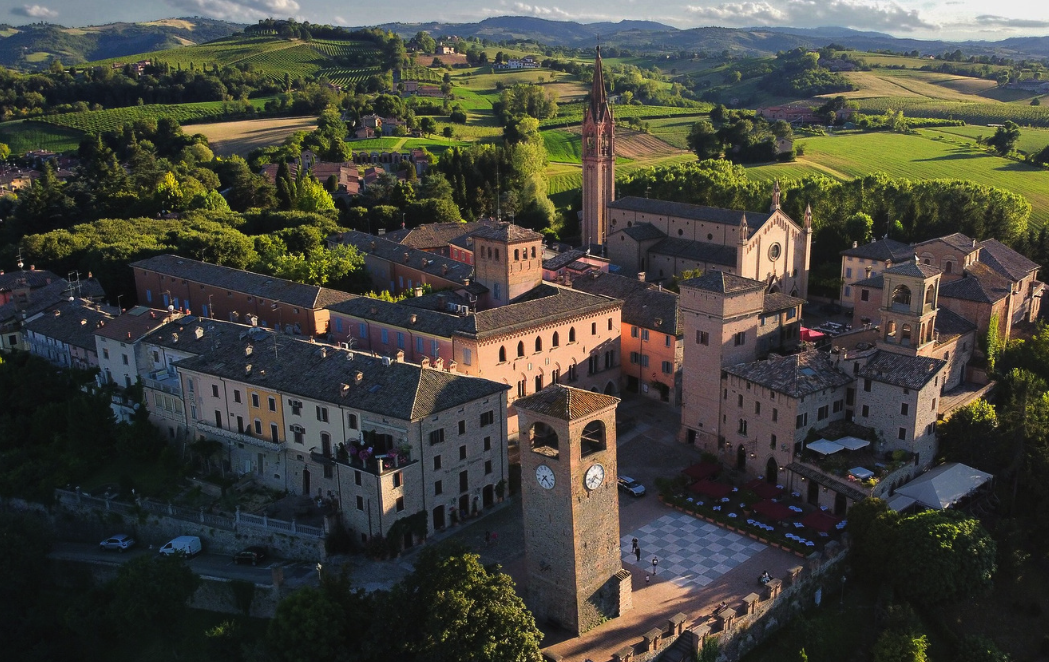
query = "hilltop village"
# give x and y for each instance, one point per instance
(503, 372)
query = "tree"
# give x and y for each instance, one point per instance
(971, 436)
(463, 611)
(1004, 139)
(947, 556)
(975, 648)
(311, 196)
(428, 126)
(5, 152)
(151, 593)
(704, 141)
(896, 646)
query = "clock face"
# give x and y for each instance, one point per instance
(545, 476)
(595, 475)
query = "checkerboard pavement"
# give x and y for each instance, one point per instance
(691, 552)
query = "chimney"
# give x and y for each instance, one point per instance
(438, 363)
(406, 257)
(198, 332)
(413, 318)
(344, 389)
(641, 276)
(247, 350)
(425, 362)
(441, 301)
(358, 377)
(32, 267)
(419, 288)
(855, 244)
(129, 335)
(399, 357)
(444, 269)
(247, 369)
(868, 270)
(324, 352)
(83, 322)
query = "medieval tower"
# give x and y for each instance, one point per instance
(571, 507)
(599, 183)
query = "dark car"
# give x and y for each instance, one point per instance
(250, 555)
(628, 484)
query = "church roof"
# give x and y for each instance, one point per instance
(1005, 260)
(981, 283)
(565, 402)
(956, 240)
(643, 232)
(699, 251)
(695, 212)
(719, 281)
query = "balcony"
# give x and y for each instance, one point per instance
(240, 437)
(162, 380)
(382, 463)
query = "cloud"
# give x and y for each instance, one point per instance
(238, 9)
(34, 11)
(1002, 21)
(859, 14)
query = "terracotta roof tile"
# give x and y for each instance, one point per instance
(700, 251)
(719, 281)
(70, 323)
(644, 305)
(901, 370)
(1005, 260)
(696, 212)
(795, 375)
(882, 249)
(566, 403)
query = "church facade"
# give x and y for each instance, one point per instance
(662, 239)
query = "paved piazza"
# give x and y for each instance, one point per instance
(691, 552)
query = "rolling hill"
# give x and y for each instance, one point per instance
(33, 46)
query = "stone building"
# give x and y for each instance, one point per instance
(663, 239)
(571, 508)
(235, 295)
(381, 440)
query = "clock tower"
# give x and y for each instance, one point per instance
(599, 177)
(571, 507)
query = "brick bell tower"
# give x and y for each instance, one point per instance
(599, 176)
(571, 507)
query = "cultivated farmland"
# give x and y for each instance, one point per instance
(23, 136)
(100, 121)
(228, 138)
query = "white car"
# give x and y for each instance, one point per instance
(634, 488)
(119, 542)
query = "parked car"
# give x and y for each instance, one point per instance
(187, 545)
(119, 542)
(251, 555)
(634, 488)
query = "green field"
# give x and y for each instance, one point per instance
(23, 136)
(1031, 140)
(267, 54)
(571, 114)
(976, 112)
(914, 157)
(674, 130)
(97, 121)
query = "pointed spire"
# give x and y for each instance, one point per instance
(744, 229)
(808, 217)
(598, 96)
(775, 197)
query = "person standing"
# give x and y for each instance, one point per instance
(637, 553)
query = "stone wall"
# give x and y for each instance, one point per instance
(85, 521)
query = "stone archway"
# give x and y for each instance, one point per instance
(741, 458)
(771, 471)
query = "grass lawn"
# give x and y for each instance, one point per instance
(1031, 139)
(922, 157)
(23, 136)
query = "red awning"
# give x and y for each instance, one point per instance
(703, 470)
(811, 335)
(711, 489)
(772, 510)
(763, 489)
(820, 521)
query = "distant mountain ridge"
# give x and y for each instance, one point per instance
(756, 41)
(34, 46)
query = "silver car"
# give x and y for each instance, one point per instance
(119, 542)
(628, 484)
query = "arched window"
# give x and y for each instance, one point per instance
(902, 295)
(905, 334)
(538, 344)
(502, 355)
(948, 267)
(543, 440)
(930, 294)
(517, 255)
(520, 348)
(571, 334)
(593, 438)
(533, 252)
(556, 340)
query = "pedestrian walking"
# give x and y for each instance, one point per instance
(633, 544)
(637, 553)
(648, 579)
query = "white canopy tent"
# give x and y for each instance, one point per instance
(944, 485)
(852, 443)
(824, 447)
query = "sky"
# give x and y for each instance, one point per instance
(919, 19)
